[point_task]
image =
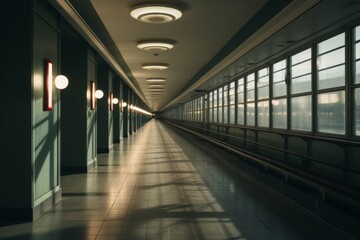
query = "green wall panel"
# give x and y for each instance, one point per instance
(45, 125)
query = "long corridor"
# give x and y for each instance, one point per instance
(161, 183)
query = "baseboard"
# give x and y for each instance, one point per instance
(30, 214)
(47, 204)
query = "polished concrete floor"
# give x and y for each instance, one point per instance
(163, 184)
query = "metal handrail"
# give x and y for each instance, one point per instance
(280, 150)
(284, 132)
(311, 180)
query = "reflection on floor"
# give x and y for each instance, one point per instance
(163, 184)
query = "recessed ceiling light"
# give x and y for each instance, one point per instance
(157, 90)
(156, 66)
(155, 80)
(155, 13)
(155, 46)
(156, 86)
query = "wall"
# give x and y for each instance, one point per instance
(29, 173)
(74, 102)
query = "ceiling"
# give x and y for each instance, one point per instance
(210, 37)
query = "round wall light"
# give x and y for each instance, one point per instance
(61, 82)
(99, 94)
(115, 101)
(155, 13)
(155, 66)
(155, 46)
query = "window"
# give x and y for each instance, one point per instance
(226, 103)
(215, 99)
(232, 103)
(240, 101)
(263, 113)
(357, 111)
(279, 102)
(279, 113)
(279, 79)
(331, 74)
(301, 72)
(331, 62)
(301, 109)
(301, 113)
(205, 112)
(356, 91)
(220, 106)
(211, 107)
(263, 98)
(331, 112)
(250, 97)
(201, 110)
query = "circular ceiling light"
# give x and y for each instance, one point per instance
(155, 80)
(155, 46)
(156, 66)
(155, 13)
(151, 86)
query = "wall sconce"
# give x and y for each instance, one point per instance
(122, 105)
(61, 82)
(115, 100)
(99, 94)
(111, 98)
(92, 95)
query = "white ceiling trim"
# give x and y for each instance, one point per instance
(73, 17)
(288, 14)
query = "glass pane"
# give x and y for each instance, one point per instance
(263, 72)
(357, 33)
(357, 72)
(220, 97)
(357, 50)
(332, 77)
(300, 57)
(301, 113)
(301, 84)
(232, 114)
(263, 92)
(263, 113)
(220, 117)
(215, 117)
(250, 87)
(250, 114)
(232, 98)
(250, 95)
(250, 77)
(331, 112)
(225, 96)
(263, 83)
(357, 111)
(279, 89)
(279, 76)
(211, 119)
(301, 69)
(240, 113)
(279, 65)
(240, 90)
(331, 59)
(240, 97)
(215, 99)
(279, 113)
(226, 120)
(331, 43)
